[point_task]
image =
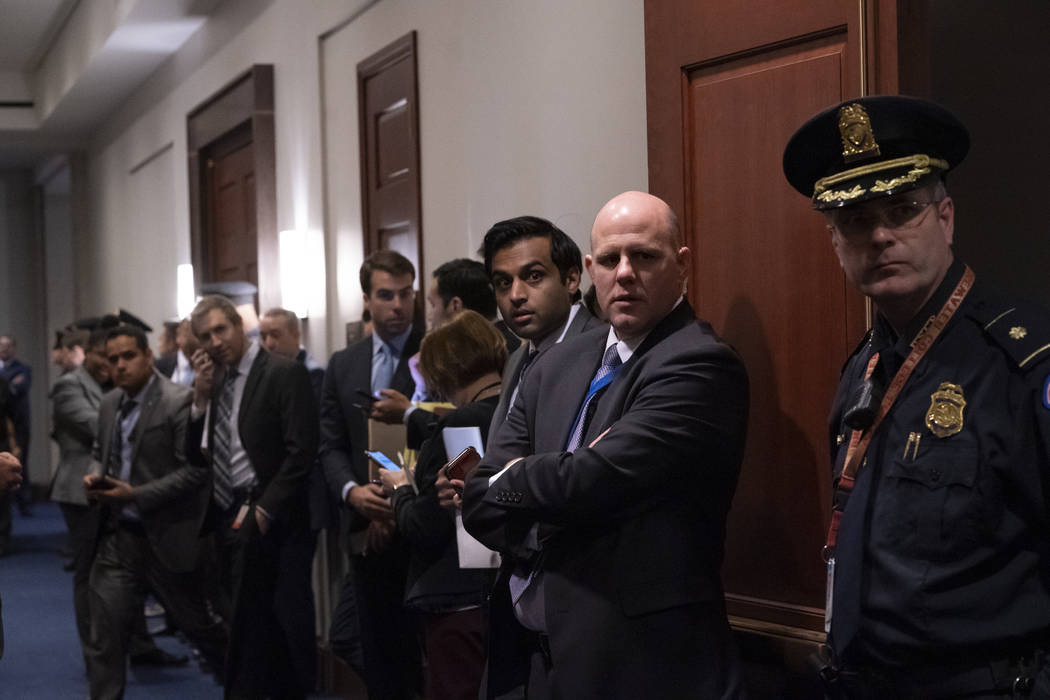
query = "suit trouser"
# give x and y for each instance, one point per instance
(124, 566)
(81, 522)
(260, 660)
(455, 644)
(388, 631)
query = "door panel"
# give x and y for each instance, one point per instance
(727, 83)
(233, 236)
(387, 91)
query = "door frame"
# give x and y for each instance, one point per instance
(246, 100)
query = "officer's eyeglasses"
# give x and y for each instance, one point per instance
(860, 221)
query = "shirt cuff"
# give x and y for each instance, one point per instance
(346, 488)
(408, 412)
(501, 472)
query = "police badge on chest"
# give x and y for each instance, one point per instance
(945, 417)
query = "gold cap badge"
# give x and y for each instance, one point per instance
(857, 139)
(945, 417)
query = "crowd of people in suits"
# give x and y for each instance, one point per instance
(613, 430)
(203, 474)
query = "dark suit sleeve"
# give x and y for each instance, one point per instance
(692, 404)
(20, 380)
(335, 440)
(72, 412)
(419, 427)
(420, 518)
(494, 526)
(299, 435)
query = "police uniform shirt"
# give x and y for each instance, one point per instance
(956, 553)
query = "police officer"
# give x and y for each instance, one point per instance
(939, 547)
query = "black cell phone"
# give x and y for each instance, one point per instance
(369, 399)
(463, 464)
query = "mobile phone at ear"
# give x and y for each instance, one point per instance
(382, 460)
(463, 464)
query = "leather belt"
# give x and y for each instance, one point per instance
(1013, 677)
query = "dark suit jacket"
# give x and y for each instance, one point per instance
(344, 426)
(277, 423)
(19, 378)
(633, 528)
(75, 401)
(172, 494)
(582, 322)
(165, 364)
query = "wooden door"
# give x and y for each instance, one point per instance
(389, 132)
(727, 83)
(231, 236)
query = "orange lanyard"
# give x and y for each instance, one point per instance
(859, 440)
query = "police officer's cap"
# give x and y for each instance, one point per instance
(873, 147)
(129, 319)
(237, 292)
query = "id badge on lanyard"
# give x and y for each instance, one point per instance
(829, 595)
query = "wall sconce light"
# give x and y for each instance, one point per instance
(185, 296)
(295, 273)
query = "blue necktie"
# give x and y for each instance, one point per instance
(383, 369)
(602, 378)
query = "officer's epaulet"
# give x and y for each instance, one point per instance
(1020, 328)
(860, 346)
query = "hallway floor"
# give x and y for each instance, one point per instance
(42, 656)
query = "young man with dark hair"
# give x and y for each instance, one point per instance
(152, 502)
(459, 284)
(535, 270)
(372, 592)
(255, 415)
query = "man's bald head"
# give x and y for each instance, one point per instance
(635, 203)
(637, 262)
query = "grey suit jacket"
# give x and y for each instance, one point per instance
(75, 400)
(171, 493)
(583, 321)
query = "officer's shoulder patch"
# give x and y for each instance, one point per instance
(1021, 329)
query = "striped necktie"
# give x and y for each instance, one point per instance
(221, 452)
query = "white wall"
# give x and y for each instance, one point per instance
(525, 108)
(534, 107)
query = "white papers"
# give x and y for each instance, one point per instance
(472, 554)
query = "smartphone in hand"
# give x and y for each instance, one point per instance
(382, 460)
(463, 464)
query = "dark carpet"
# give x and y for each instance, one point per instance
(42, 656)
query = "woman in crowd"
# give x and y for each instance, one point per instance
(462, 361)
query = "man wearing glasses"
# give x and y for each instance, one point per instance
(938, 561)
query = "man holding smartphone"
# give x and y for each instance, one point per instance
(371, 597)
(152, 502)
